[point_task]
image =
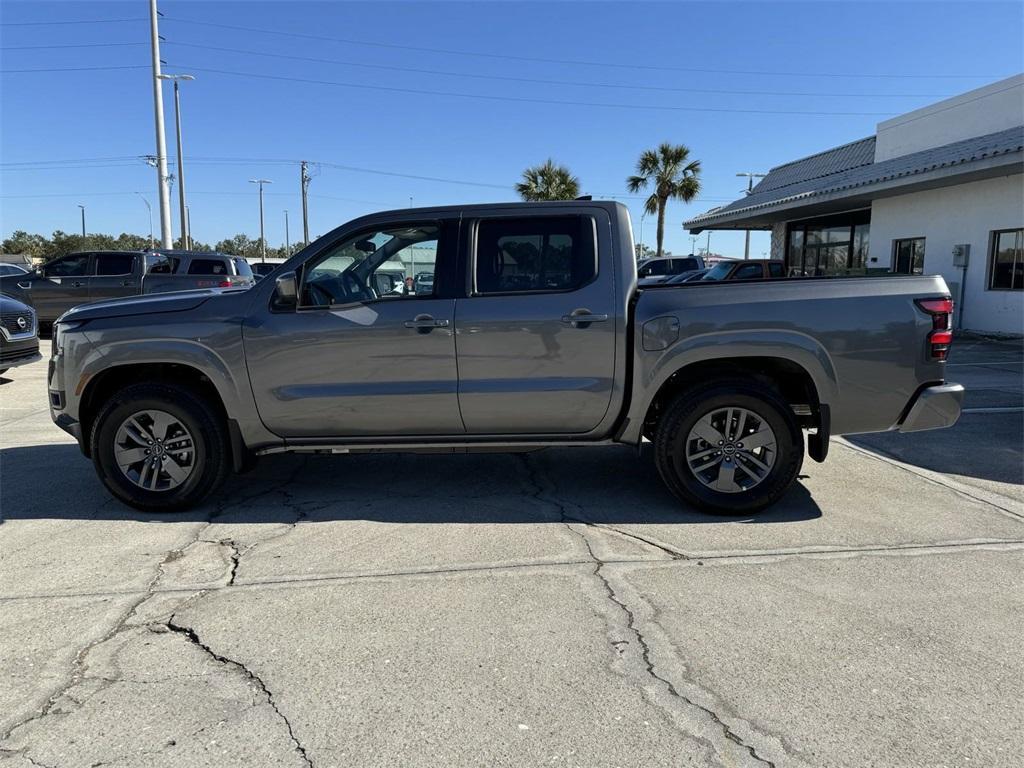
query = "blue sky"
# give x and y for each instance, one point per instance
(666, 71)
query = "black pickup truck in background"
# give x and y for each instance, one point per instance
(79, 278)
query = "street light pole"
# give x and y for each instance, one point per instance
(186, 236)
(83, 224)
(163, 189)
(150, 209)
(263, 240)
(640, 251)
(287, 243)
(750, 188)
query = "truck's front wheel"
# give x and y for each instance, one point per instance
(160, 447)
(730, 447)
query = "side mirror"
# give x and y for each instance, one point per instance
(287, 289)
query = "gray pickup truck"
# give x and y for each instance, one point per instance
(532, 333)
(79, 278)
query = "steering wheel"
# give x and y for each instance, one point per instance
(355, 288)
(319, 296)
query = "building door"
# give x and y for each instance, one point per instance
(908, 256)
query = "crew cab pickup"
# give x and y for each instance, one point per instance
(80, 278)
(531, 334)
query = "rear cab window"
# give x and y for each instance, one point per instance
(161, 264)
(541, 254)
(208, 267)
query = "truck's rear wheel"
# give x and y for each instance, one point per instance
(160, 447)
(729, 447)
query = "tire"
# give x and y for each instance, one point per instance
(738, 483)
(198, 452)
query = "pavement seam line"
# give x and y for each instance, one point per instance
(192, 636)
(631, 623)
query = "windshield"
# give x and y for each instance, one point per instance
(718, 272)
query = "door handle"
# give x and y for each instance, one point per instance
(77, 284)
(127, 283)
(581, 318)
(425, 323)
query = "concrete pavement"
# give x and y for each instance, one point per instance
(554, 608)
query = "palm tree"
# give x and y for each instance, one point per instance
(665, 169)
(548, 182)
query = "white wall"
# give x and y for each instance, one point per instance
(965, 213)
(995, 107)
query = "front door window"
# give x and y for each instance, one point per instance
(390, 263)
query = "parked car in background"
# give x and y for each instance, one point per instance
(79, 278)
(19, 334)
(689, 277)
(754, 269)
(263, 267)
(658, 270)
(528, 345)
(424, 283)
(12, 269)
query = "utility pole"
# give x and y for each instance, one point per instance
(750, 188)
(163, 189)
(83, 224)
(263, 240)
(305, 207)
(287, 244)
(186, 238)
(150, 209)
(188, 225)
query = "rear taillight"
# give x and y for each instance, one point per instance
(224, 284)
(941, 335)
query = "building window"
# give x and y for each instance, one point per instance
(832, 245)
(1006, 260)
(908, 256)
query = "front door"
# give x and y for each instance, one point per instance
(61, 284)
(536, 334)
(114, 275)
(361, 356)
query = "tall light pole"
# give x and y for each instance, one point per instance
(186, 239)
(640, 251)
(150, 209)
(304, 171)
(263, 240)
(188, 225)
(83, 223)
(750, 188)
(287, 243)
(163, 188)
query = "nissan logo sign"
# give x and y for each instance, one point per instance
(22, 323)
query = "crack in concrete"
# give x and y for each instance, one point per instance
(190, 634)
(631, 622)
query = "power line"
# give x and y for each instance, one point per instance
(70, 45)
(530, 100)
(573, 62)
(73, 69)
(53, 23)
(506, 78)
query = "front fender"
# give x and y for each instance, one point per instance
(653, 369)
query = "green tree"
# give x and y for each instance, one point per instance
(548, 182)
(670, 173)
(21, 241)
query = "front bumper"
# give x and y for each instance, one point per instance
(934, 407)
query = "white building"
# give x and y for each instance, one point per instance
(907, 199)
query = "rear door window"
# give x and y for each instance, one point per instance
(748, 272)
(775, 270)
(539, 254)
(208, 267)
(114, 263)
(161, 264)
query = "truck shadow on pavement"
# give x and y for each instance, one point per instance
(610, 485)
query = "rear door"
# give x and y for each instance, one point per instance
(535, 333)
(114, 274)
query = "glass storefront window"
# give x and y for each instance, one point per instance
(832, 245)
